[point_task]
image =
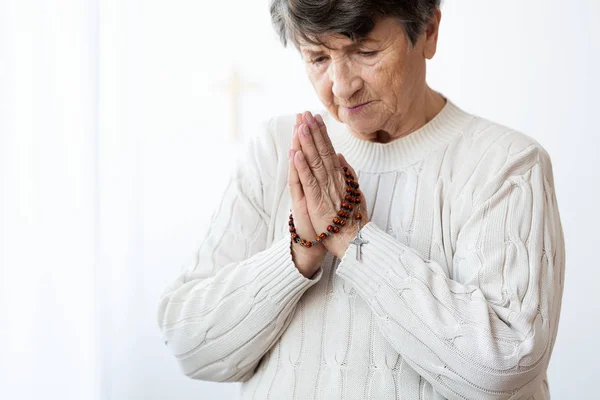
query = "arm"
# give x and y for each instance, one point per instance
(235, 296)
(488, 334)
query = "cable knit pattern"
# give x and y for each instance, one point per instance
(457, 294)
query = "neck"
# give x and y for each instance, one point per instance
(420, 112)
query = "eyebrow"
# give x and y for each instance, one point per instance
(358, 43)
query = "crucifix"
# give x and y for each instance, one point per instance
(234, 86)
(358, 241)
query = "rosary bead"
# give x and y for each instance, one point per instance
(329, 228)
(292, 229)
(308, 244)
(348, 198)
(357, 216)
(341, 213)
(349, 190)
(294, 236)
(323, 235)
(336, 229)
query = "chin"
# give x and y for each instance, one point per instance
(363, 126)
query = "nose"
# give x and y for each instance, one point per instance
(345, 80)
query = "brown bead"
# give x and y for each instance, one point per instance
(350, 207)
(292, 229)
(357, 216)
(341, 213)
(291, 223)
(342, 222)
(329, 228)
(344, 204)
(294, 236)
(349, 190)
(357, 192)
(308, 244)
(336, 220)
(348, 198)
(345, 168)
(318, 239)
(291, 216)
(323, 235)
(336, 229)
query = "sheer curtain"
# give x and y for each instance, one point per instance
(49, 200)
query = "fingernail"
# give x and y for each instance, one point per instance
(301, 157)
(319, 120)
(305, 131)
(310, 118)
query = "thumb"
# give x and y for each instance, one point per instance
(345, 164)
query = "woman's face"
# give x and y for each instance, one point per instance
(370, 85)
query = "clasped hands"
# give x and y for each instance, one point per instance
(317, 186)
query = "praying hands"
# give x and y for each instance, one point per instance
(317, 184)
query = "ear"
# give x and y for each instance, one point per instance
(431, 34)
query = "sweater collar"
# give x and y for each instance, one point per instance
(367, 156)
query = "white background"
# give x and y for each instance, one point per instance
(116, 135)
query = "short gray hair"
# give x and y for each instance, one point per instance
(304, 20)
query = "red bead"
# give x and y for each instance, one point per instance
(294, 236)
(357, 216)
(348, 198)
(308, 244)
(323, 235)
(336, 229)
(342, 222)
(329, 228)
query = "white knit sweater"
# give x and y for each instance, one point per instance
(458, 293)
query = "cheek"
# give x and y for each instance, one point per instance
(322, 86)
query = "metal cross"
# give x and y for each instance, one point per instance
(358, 241)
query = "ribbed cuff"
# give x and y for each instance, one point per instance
(279, 278)
(379, 257)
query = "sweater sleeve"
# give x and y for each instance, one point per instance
(235, 296)
(489, 332)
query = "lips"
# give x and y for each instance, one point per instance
(356, 107)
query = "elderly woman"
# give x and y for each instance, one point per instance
(426, 262)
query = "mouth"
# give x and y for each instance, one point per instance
(357, 108)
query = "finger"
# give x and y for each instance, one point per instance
(310, 185)
(312, 156)
(294, 184)
(321, 143)
(325, 134)
(296, 139)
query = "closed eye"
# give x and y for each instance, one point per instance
(367, 53)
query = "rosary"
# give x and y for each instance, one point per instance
(352, 197)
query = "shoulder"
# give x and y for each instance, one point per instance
(502, 148)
